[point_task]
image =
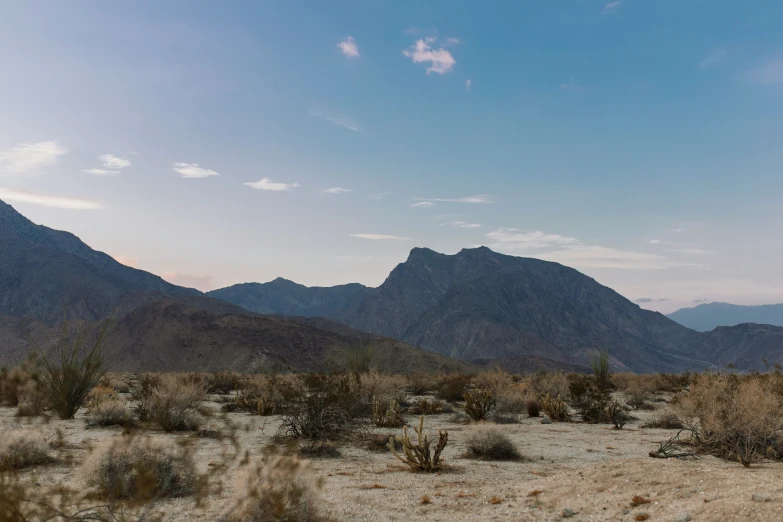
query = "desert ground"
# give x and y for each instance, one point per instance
(569, 470)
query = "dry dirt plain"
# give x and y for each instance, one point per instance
(579, 471)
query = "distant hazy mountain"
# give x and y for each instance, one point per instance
(479, 304)
(285, 297)
(747, 346)
(705, 317)
(43, 272)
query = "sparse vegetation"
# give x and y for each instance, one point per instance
(555, 408)
(491, 444)
(478, 404)
(387, 414)
(417, 453)
(19, 449)
(452, 387)
(326, 411)
(68, 377)
(173, 402)
(425, 406)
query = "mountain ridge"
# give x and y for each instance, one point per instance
(708, 316)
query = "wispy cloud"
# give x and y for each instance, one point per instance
(268, 184)
(694, 251)
(612, 6)
(481, 198)
(336, 190)
(382, 195)
(460, 224)
(101, 172)
(644, 300)
(441, 60)
(380, 237)
(30, 156)
(571, 86)
(349, 48)
(110, 161)
(192, 170)
(713, 59)
(767, 73)
(336, 118)
(49, 201)
(467, 85)
(572, 252)
(655, 241)
(423, 204)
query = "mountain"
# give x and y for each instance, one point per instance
(285, 297)
(746, 346)
(479, 304)
(705, 317)
(44, 272)
(171, 335)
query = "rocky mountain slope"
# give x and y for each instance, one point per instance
(705, 317)
(44, 272)
(285, 297)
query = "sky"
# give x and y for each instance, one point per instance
(215, 143)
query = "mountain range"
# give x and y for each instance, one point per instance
(706, 317)
(433, 312)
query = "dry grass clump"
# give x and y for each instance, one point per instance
(734, 417)
(19, 449)
(109, 410)
(141, 469)
(172, 401)
(490, 443)
(277, 489)
(318, 449)
(664, 420)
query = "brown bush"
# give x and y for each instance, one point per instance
(276, 489)
(554, 384)
(327, 409)
(452, 386)
(19, 449)
(494, 380)
(491, 444)
(171, 400)
(734, 417)
(141, 468)
(109, 410)
(269, 394)
(513, 399)
(381, 386)
(664, 420)
(223, 383)
(13, 382)
(427, 406)
(555, 408)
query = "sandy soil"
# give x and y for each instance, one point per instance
(592, 470)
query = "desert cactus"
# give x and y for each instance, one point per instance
(533, 408)
(555, 408)
(387, 417)
(478, 403)
(419, 456)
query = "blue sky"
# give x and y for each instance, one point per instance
(214, 143)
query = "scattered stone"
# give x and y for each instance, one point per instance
(760, 497)
(683, 517)
(568, 512)
(545, 420)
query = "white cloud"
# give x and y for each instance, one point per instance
(452, 41)
(481, 198)
(769, 73)
(380, 236)
(382, 195)
(713, 59)
(467, 85)
(30, 156)
(192, 170)
(268, 184)
(654, 241)
(336, 190)
(111, 161)
(572, 252)
(460, 224)
(349, 48)
(571, 86)
(336, 118)
(441, 61)
(49, 201)
(612, 6)
(102, 172)
(676, 230)
(423, 204)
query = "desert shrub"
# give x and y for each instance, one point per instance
(378, 443)
(19, 449)
(616, 414)
(420, 383)
(554, 384)
(276, 489)
(74, 370)
(665, 420)
(141, 468)
(452, 386)
(269, 395)
(32, 401)
(491, 444)
(555, 408)
(478, 404)
(734, 417)
(638, 392)
(533, 408)
(512, 399)
(318, 449)
(377, 385)
(588, 398)
(417, 453)
(426, 406)
(173, 402)
(494, 380)
(117, 382)
(387, 414)
(141, 393)
(14, 382)
(223, 383)
(672, 382)
(110, 410)
(326, 410)
(359, 361)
